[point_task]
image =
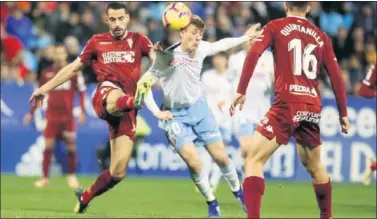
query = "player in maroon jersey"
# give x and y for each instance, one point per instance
(368, 90)
(299, 49)
(115, 56)
(59, 117)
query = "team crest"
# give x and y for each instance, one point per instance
(130, 42)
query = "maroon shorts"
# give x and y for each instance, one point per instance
(60, 129)
(299, 120)
(124, 124)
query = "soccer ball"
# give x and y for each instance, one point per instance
(176, 16)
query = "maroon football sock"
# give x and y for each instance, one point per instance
(103, 183)
(125, 103)
(47, 154)
(323, 195)
(253, 188)
(72, 161)
(373, 166)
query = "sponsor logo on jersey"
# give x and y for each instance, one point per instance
(119, 57)
(307, 116)
(302, 90)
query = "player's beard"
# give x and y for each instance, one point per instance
(118, 33)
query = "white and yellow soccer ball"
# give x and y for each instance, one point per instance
(176, 16)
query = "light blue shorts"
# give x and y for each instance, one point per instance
(192, 124)
(246, 129)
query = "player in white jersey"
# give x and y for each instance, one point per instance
(218, 92)
(259, 93)
(178, 72)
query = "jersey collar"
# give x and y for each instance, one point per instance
(297, 17)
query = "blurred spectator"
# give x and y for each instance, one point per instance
(330, 21)
(355, 71)
(71, 27)
(87, 26)
(367, 19)
(339, 44)
(155, 31)
(58, 16)
(315, 12)
(17, 24)
(45, 60)
(13, 51)
(345, 75)
(370, 51)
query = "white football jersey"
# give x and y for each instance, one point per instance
(179, 74)
(216, 88)
(259, 91)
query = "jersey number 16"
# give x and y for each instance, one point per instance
(302, 62)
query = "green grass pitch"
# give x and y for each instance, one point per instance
(147, 197)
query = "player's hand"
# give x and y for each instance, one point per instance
(37, 97)
(345, 124)
(238, 100)
(164, 115)
(82, 118)
(158, 46)
(253, 31)
(27, 119)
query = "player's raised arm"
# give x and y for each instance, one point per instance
(227, 43)
(62, 76)
(150, 78)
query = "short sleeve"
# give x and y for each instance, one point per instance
(88, 52)
(145, 44)
(264, 40)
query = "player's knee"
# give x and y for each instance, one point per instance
(222, 160)
(194, 165)
(111, 101)
(313, 168)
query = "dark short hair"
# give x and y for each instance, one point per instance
(301, 5)
(197, 21)
(116, 6)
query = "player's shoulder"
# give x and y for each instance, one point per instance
(101, 36)
(137, 35)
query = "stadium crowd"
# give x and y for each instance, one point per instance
(29, 31)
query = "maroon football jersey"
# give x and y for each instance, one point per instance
(115, 60)
(299, 49)
(60, 100)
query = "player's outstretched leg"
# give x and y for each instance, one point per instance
(46, 162)
(228, 170)
(121, 150)
(311, 159)
(200, 177)
(257, 154)
(370, 168)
